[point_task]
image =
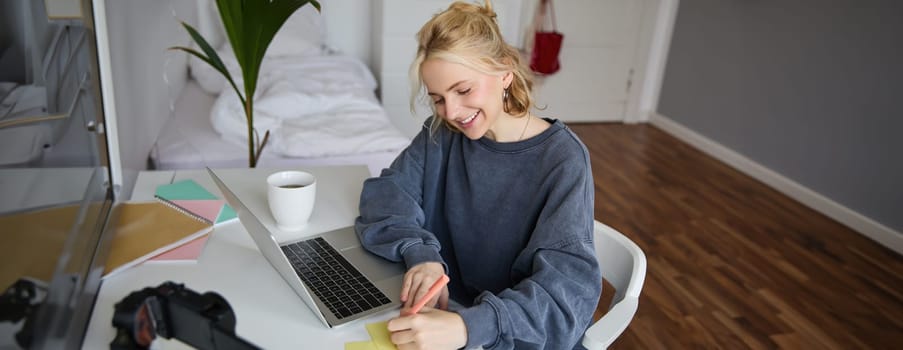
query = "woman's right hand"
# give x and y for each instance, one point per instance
(418, 280)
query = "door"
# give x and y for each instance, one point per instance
(597, 58)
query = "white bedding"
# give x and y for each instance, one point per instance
(313, 106)
(319, 108)
(188, 141)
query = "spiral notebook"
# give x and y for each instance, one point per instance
(143, 230)
(192, 199)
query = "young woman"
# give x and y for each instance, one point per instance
(498, 199)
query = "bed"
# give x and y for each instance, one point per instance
(320, 107)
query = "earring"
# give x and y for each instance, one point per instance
(505, 100)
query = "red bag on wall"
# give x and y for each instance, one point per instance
(546, 45)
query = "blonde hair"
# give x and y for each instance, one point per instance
(468, 34)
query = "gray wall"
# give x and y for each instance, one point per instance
(809, 88)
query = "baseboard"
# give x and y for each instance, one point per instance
(852, 219)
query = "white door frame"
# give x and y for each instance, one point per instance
(652, 53)
(653, 41)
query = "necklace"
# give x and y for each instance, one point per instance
(525, 127)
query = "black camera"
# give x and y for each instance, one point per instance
(204, 321)
(19, 302)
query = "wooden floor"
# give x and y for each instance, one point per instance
(733, 264)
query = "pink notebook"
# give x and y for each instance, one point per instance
(190, 251)
(193, 199)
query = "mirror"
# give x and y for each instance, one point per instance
(54, 172)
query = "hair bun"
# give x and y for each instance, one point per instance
(485, 10)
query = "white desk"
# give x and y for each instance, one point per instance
(268, 312)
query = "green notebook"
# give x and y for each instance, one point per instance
(194, 199)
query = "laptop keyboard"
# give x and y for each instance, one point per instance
(332, 278)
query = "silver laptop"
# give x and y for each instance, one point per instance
(333, 274)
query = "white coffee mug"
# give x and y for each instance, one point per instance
(291, 196)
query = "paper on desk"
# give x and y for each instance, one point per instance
(361, 345)
(379, 332)
(379, 335)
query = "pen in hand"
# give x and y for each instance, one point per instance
(437, 286)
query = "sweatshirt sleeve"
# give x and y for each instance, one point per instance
(391, 215)
(549, 310)
(559, 277)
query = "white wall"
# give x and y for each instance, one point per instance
(348, 26)
(139, 33)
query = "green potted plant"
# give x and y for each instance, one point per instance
(250, 26)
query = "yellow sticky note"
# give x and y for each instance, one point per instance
(361, 345)
(379, 332)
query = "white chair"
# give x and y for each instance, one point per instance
(623, 265)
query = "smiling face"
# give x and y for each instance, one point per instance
(468, 100)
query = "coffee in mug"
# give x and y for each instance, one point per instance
(291, 196)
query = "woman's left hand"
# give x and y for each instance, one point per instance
(429, 329)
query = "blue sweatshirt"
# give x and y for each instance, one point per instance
(511, 222)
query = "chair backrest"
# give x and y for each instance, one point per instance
(623, 265)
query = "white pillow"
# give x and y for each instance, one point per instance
(211, 80)
(210, 26)
(303, 34)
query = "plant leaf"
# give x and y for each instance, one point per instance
(211, 57)
(251, 26)
(215, 61)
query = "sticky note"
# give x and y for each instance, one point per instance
(379, 332)
(361, 345)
